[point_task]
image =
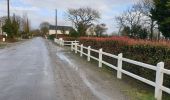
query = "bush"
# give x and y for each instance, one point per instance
(150, 52)
(51, 37)
(74, 33)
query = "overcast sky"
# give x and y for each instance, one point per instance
(44, 10)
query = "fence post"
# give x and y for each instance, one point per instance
(81, 50)
(100, 57)
(60, 41)
(119, 73)
(71, 45)
(55, 40)
(3, 39)
(159, 81)
(76, 47)
(88, 53)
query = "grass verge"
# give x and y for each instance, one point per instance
(134, 89)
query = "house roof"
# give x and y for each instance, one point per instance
(53, 27)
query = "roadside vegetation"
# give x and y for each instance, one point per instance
(143, 36)
(15, 28)
(147, 51)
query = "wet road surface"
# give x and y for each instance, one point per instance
(25, 72)
(39, 70)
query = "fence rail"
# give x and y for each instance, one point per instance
(64, 43)
(159, 68)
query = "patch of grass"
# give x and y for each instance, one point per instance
(134, 89)
(2, 45)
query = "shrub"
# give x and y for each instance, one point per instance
(150, 52)
(51, 37)
(74, 33)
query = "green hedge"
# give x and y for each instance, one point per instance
(150, 54)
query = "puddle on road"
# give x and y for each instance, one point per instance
(100, 95)
(64, 58)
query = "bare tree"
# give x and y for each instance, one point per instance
(138, 15)
(100, 29)
(147, 6)
(82, 18)
(44, 27)
(130, 18)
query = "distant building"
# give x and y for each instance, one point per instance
(60, 30)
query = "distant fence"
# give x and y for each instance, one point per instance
(64, 43)
(160, 70)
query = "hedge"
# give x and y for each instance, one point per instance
(140, 50)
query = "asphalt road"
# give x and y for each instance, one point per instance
(39, 70)
(25, 72)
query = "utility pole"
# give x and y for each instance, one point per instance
(56, 22)
(8, 9)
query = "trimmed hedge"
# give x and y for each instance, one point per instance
(139, 50)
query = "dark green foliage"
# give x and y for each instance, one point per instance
(11, 27)
(144, 53)
(8, 28)
(15, 26)
(51, 37)
(125, 31)
(139, 32)
(74, 33)
(161, 14)
(136, 31)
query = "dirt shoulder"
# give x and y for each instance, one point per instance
(77, 79)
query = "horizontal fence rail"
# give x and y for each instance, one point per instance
(159, 68)
(61, 42)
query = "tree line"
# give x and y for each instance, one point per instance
(16, 27)
(145, 18)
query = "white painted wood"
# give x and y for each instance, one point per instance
(110, 55)
(110, 65)
(119, 73)
(139, 78)
(139, 63)
(81, 49)
(3, 39)
(88, 53)
(159, 81)
(97, 59)
(71, 46)
(76, 47)
(165, 89)
(159, 69)
(166, 71)
(100, 57)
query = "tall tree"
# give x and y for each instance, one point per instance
(44, 27)
(8, 28)
(138, 15)
(130, 18)
(161, 14)
(146, 6)
(82, 18)
(15, 26)
(100, 29)
(11, 26)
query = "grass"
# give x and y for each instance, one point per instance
(134, 89)
(2, 45)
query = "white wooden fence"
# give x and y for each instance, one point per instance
(61, 42)
(159, 68)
